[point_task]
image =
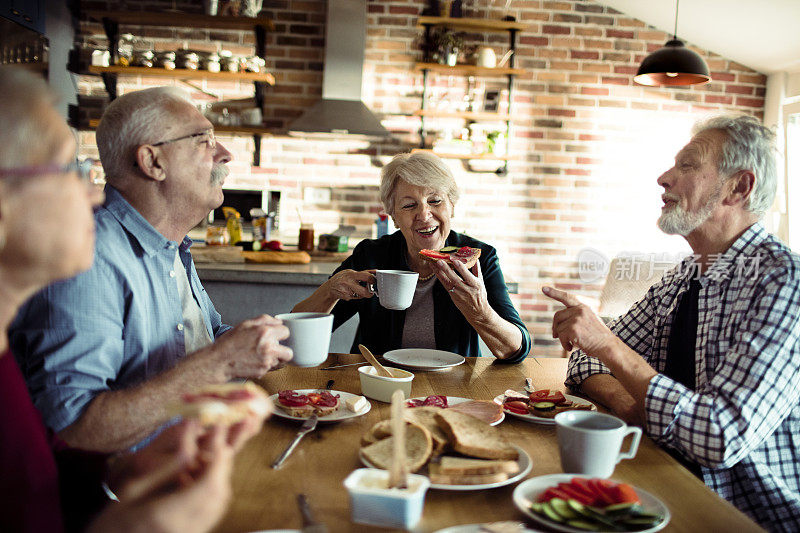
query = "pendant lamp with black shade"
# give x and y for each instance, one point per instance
(673, 64)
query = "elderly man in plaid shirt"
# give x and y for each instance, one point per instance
(708, 362)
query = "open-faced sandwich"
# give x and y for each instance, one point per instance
(224, 403)
(543, 403)
(450, 254)
(303, 405)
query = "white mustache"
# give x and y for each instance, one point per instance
(219, 173)
(670, 197)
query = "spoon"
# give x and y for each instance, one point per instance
(382, 371)
(398, 472)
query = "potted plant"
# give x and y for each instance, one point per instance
(447, 46)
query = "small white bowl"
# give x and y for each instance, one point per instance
(372, 503)
(381, 388)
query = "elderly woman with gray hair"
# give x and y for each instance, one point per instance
(452, 305)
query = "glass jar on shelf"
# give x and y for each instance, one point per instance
(165, 60)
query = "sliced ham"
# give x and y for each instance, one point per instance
(485, 410)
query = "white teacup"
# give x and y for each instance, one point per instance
(309, 337)
(590, 442)
(395, 288)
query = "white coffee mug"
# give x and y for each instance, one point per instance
(309, 337)
(395, 288)
(590, 442)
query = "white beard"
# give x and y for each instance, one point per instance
(678, 221)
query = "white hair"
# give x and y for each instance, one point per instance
(134, 119)
(749, 145)
(419, 168)
(27, 135)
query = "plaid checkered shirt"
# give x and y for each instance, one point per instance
(741, 424)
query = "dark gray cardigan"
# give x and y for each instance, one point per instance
(381, 329)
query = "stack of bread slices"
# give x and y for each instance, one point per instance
(457, 448)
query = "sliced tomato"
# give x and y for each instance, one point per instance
(323, 399)
(586, 487)
(587, 493)
(547, 395)
(576, 494)
(624, 493)
(604, 488)
(552, 492)
(464, 251)
(521, 408)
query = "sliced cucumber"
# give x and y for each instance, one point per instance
(562, 508)
(448, 249)
(619, 509)
(544, 406)
(551, 513)
(582, 524)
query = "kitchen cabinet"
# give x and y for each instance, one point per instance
(112, 20)
(430, 68)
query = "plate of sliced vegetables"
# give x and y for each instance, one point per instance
(541, 407)
(574, 504)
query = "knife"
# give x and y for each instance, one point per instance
(307, 427)
(309, 524)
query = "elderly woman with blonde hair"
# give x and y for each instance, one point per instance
(452, 305)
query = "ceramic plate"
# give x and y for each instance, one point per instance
(516, 527)
(341, 412)
(527, 492)
(453, 400)
(542, 419)
(524, 462)
(423, 358)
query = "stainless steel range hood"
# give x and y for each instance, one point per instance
(341, 110)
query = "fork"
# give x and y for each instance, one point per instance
(308, 426)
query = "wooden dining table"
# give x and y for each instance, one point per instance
(265, 498)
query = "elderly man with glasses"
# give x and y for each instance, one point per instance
(105, 353)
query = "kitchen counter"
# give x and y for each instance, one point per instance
(314, 273)
(244, 290)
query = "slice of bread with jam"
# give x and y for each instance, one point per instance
(450, 254)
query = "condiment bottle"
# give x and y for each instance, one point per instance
(305, 240)
(234, 224)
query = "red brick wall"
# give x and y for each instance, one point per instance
(588, 143)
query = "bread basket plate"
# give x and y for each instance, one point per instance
(341, 412)
(516, 527)
(454, 400)
(524, 462)
(527, 492)
(423, 358)
(541, 419)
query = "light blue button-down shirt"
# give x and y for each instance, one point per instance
(112, 327)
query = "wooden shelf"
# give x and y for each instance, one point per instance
(472, 24)
(484, 157)
(467, 115)
(183, 20)
(231, 130)
(468, 70)
(179, 73)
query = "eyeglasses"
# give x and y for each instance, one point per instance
(204, 136)
(86, 169)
